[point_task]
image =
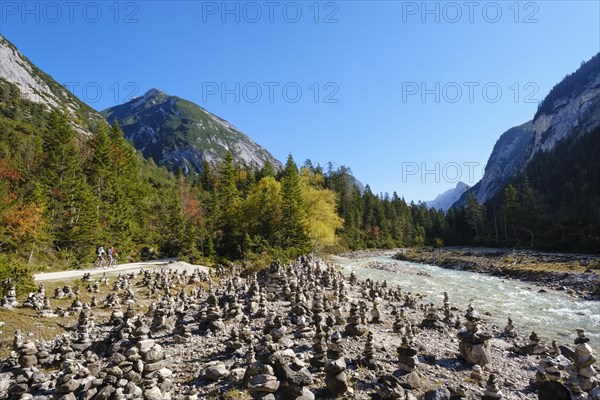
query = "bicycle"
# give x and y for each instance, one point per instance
(100, 263)
(112, 262)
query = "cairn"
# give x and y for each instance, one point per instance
(375, 313)
(319, 358)
(11, 296)
(474, 344)
(398, 326)
(214, 315)
(27, 361)
(182, 332)
(389, 387)
(58, 293)
(293, 375)
(369, 352)
(547, 371)
(432, 319)
(492, 392)
(447, 310)
(259, 377)
(407, 356)
(583, 361)
(354, 327)
(46, 311)
(233, 343)
(509, 330)
(336, 378)
(534, 346)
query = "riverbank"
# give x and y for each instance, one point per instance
(186, 338)
(577, 274)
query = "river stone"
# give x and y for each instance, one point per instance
(479, 354)
(69, 386)
(567, 351)
(105, 393)
(337, 384)
(156, 354)
(88, 394)
(18, 388)
(411, 380)
(145, 345)
(27, 361)
(216, 371)
(138, 366)
(164, 373)
(165, 385)
(553, 391)
(116, 358)
(94, 368)
(85, 384)
(264, 383)
(114, 371)
(153, 367)
(153, 393)
(237, 374)
(438, 394)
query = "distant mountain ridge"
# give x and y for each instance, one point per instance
(445, 200)
(180, 134)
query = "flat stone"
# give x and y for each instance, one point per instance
(105, 393)
(145, 345)
(264, 383)
(437, 394)
(164, 373)
(27, 361)
(216, 371)
(153, 393)
(151, 367)
(68, 386)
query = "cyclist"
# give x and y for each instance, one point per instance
(112, 253)
(100, 253)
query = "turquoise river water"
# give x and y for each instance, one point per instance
(553, 315)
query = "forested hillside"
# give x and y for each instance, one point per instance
(64, 193)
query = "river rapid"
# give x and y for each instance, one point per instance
(552, 315)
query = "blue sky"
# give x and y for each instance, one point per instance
(411, 95)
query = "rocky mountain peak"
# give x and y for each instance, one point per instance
(180, 134)
(35, 85)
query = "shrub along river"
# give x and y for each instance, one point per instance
(552, 315)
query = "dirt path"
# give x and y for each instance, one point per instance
(78, 273)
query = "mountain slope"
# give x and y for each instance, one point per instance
(33, 84)
(179, 134)
(445, 200)
(505, 162)
(571, 109)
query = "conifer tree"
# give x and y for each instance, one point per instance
(227, 210)
(293, 218)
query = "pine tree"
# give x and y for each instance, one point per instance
(227, 210)
(60, 176)
(511, 210)
(293, 219)
(474, 213)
